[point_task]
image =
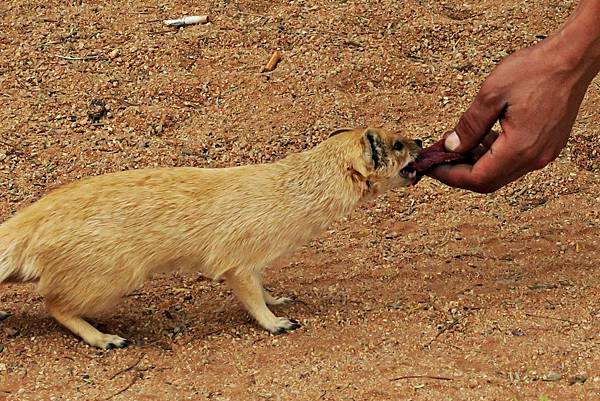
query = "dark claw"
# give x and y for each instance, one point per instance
(294, 325)
(4, 315)
(279, 331)
(120, 344)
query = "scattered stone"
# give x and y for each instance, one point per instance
(551, 376)
(517, 332)
(165, 346)
(97, 110)
(578, 379)
(396, 305)
(11, 332)
(158, 129)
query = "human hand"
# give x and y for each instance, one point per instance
(535, 94)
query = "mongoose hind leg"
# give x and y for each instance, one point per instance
(248, 289)
(86, 331)
(272, 301)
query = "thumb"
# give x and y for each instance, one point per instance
(475, 123)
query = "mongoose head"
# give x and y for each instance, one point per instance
(379, 157)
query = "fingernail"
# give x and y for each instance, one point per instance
(452, 142)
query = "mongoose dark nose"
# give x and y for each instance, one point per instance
(419, 143)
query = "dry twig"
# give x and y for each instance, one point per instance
(72, 58)
(131, 383)
(442, 331)
(128, 368)
(421, 377)
(552, 318)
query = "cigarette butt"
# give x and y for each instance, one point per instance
(273, 61)
(189, 20)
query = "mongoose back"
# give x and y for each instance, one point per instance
(90, 242)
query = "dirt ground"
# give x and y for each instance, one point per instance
(429, 293)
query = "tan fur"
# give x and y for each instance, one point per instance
(92, 241)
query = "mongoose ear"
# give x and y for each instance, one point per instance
(372, 153)
(373, 148)
(339, 131)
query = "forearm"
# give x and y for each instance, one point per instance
(578, 39)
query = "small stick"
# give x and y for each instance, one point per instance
(128, 368)
(552, 318)
(161, 32)
(273, 61)
(78, 58)
(421, 377)
(150, 21)
(135, 378)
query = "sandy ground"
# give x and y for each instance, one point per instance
(429, 293)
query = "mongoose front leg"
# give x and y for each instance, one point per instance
(248, 289)
(86, 331)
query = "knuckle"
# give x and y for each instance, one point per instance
(489, 94)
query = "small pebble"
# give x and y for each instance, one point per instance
(578, 379)
(165, 346)
(517, 332)
(473, 383)
(551, 377)
(11, 331)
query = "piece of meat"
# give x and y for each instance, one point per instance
(431, 157)
(435, 155)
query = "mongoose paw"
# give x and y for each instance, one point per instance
(4, 315)
(286, 325)
(111, 341)
(281, 301)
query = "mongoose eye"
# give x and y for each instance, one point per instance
(398, 145)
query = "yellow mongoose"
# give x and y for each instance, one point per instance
(90, 242)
